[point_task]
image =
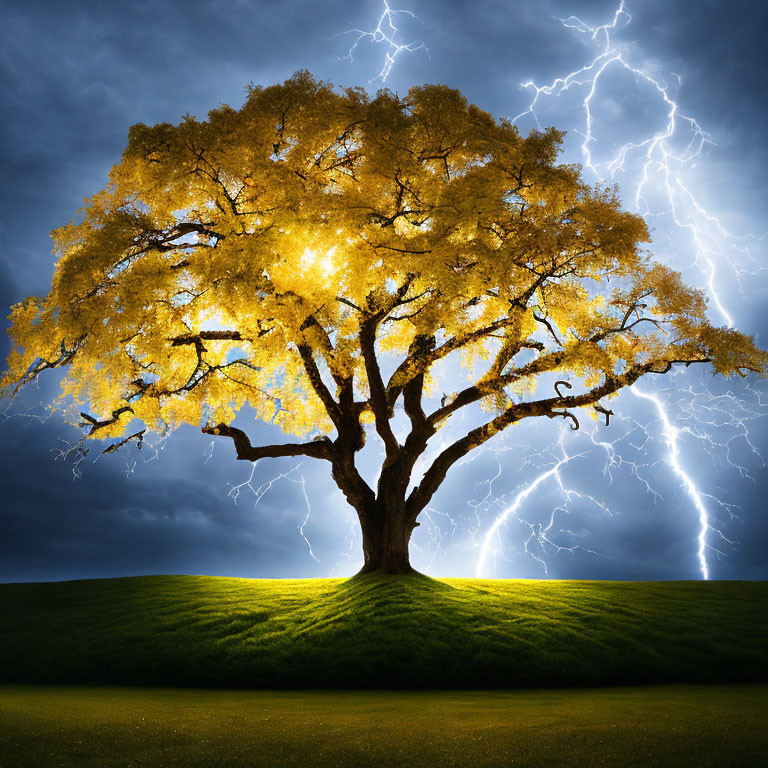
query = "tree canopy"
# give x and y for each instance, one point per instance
(287, 254)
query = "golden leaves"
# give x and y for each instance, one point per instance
(288, 220)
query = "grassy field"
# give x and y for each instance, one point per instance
(372, 632)
(662, 727)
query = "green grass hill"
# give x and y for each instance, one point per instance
(382, 632)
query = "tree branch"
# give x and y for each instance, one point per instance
(545, 322)
(157, 240)
(325, 346)
(566, 415)
(413, 391)
(137, 436)
(413, 366)
(66, 355)
(318, 385)
(484, 388)
(551, 407)
(318, 449)
(198, 338)
(624, 328)
(378, 398)
(607, 413)
(349, 303)
(98, 424)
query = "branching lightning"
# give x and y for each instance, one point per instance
(662, 156)
(653, 173)
(661, 166)
(671, 434)
(385, 33)
(293, 476)
(540, 536)
(491, 540)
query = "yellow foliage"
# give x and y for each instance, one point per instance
(291, 220)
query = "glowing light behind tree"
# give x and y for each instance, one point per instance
(276, 255)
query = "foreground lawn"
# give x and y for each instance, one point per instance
(661, 727)
(373, 632)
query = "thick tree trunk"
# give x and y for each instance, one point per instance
(384, 522)
(386, 534)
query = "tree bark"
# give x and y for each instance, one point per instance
(386, 535)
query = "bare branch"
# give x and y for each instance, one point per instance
(97, 424)
(623, 328)
(137, 436)
(669, 363)
(489, 386)
(550, 407)
(599, 408)
(198, 338)
(318, 385)
(548, 325)
(348, 303)
(378, 398)
(566, 415)
(317, 449)
(559, 384)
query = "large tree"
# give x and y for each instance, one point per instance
(321, 255)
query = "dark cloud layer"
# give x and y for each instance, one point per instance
(74, 76)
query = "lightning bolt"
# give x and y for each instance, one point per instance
(540, 535)
(671, 434)
(660, 163)
(259, 492)
(384, 33)
(661, 166)
(651, 168)
(490, 543)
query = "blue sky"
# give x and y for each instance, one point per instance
(74, 77)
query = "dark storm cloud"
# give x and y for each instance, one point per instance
(74, 76)
(172, 514)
